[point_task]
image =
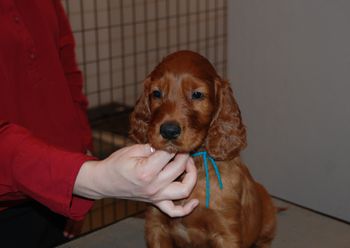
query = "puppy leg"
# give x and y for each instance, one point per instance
(227, 234)
(226, 241)
(268, 229)
(156, 231)
(158, 239)
(267, 234)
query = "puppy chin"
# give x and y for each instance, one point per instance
(170, 147)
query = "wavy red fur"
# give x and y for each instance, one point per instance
(240, 215)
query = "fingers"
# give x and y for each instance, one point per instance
(72, 228)
(139, 150)
(155, 160)
(151, 166)
(178, 189)
(173, 210)
(190, 177)
(152, 177)
(174, 169)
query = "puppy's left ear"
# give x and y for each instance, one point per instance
(227, 134)
(140, 117)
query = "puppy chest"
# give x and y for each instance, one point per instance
(208, 189)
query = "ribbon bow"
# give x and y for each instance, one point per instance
(205, 157)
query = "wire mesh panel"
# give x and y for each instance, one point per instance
(118, 44)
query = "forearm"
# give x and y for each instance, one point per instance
(31, 168)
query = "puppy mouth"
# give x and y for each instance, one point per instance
(171, 147)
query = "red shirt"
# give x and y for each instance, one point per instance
(43, 144)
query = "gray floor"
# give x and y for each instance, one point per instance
(297, 228)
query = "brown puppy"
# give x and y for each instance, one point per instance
(187, 107)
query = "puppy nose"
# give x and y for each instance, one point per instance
(170, 130)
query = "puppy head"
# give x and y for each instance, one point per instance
(186, 106)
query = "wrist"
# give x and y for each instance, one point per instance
(86, 184)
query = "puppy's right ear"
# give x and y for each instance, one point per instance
(140, 117)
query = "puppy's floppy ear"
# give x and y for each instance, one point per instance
(227, 134)
(140, 117)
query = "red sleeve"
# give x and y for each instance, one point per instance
(72, 72)
(34, 169)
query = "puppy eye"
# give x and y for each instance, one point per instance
(196, 95)
(157, 94)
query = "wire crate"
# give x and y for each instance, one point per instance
(118, 44)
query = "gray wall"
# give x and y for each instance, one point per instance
(289, 64)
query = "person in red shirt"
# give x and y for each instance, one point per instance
(44, 136)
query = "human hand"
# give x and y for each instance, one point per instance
(139, 173)
(73, 228)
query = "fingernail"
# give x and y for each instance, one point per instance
(152, 150)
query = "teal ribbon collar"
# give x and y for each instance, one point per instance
(205, 156)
